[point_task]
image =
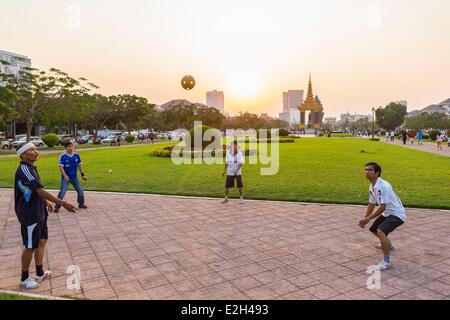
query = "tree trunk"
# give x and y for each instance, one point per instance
(29, 128)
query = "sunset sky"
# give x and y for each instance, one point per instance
(361, 53)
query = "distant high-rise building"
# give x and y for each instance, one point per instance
(291, 100)
(355, 117)
(16, 62)
(215, 99)
(330, 120)
(345, 117)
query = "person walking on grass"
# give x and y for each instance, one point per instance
(32, 205)
(69, 164)
(390, 213)
(233, 163)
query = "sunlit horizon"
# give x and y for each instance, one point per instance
(362, 54)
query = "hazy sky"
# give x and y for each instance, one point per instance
(361, 53)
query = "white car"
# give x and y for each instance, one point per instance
(37, 141)
(5, 145)
(109, 139)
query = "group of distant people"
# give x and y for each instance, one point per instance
(411, 135)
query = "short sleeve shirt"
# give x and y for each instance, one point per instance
(233, 162)
(30, 207)
(382, 193)
(70, 164)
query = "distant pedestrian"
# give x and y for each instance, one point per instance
(439, 141)
(152, 137)
(404, 136)
(411, 136)
(392, 135)
(420, 137)
(387, 136)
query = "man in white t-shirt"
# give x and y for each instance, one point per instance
(234, 161)
(387, 135)
(392, 136)
(390, 213)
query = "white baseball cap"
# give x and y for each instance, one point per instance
(25, 148)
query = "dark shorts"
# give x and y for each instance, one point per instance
(31, 234)
(230, 181)
(386, 224)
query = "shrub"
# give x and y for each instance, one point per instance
(432, 134)
(166, 152)
(97, 141)
(321, 134)
(374, 139)
(50, 139)
(129, 138)
(283, 132)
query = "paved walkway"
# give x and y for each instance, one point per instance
(158, 247)
(426, 146)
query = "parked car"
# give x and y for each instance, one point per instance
(37, 141)
(5, 145)
(109, 139)
(64, 138)
(86, 139)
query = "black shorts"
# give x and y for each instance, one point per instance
(31, 234)
(386, 224)
(230, 181)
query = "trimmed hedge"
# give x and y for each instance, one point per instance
(50, 139)
(166, 152)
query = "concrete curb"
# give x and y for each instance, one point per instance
(32, 295)
(246, 200)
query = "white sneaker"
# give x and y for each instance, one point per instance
(225, 200)
(241, 201)
(378, 246)
(43, 277)
(383, 265)
(29, 283)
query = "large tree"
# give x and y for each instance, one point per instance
(35, 92)
(428, 121)
(131, 110)
(392, 116)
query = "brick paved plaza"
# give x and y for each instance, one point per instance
(158, 247)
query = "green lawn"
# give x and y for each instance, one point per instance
(8, 296)
(311, 170)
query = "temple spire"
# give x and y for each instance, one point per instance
(310, 95)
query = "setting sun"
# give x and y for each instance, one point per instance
(244, 84)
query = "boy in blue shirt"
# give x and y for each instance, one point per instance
(69, 163)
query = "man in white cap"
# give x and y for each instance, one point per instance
(32, 204)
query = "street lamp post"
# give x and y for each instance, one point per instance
(373, 122)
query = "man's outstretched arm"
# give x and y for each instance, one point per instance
(49, 197)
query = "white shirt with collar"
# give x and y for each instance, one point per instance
(233, 162)
(383, 193)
